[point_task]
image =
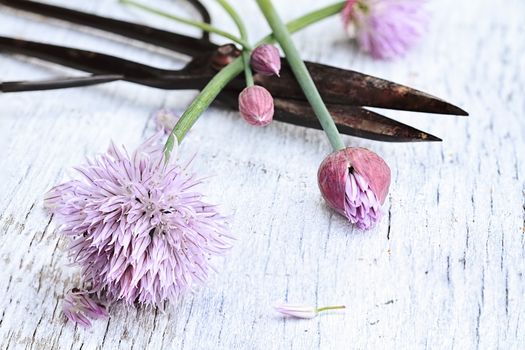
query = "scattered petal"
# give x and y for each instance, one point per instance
(165, 120)
(296, 310)
(79, 308)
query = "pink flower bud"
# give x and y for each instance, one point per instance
(266, 60)
(256, 105)
(354, 182)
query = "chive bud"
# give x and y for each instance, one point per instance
(266, 60)
(354, 182)
(256, 105)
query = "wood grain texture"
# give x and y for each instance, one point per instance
(444, 269)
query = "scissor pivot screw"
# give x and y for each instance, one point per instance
(224, 55)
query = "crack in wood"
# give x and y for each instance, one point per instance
(459, 207)
(34, 332)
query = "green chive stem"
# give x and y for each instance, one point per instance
(201, 25)
(228, 73)
(244, 36)
(301, 73)
(338, 307)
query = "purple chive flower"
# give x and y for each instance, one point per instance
(354, 182)
(256, 105)
(165, 120)
(138, 227)
(385, 28)
(266, 60)
(79, 308)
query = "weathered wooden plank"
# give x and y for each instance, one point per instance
(444, 269)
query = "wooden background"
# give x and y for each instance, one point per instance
(444, 269)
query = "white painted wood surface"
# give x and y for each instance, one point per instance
(444, 269)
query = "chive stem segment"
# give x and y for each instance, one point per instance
(201, 25)
(244, 37)
(283, 37)
(337, 307)
(228, 73)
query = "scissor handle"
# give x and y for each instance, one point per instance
(176, 42)
(59, 83)
(102, 64)
(205, 16)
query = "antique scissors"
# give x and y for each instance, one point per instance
(345, 92)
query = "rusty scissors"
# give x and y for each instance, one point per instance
(345, 92)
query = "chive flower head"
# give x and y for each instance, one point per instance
(385, 28)
(138, 227)
(355, 182)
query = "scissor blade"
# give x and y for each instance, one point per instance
(59, 83)
(347, 87)
(350, 120)
(336, 85)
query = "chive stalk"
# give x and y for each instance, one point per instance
(283, 37)
(244, 37)
(228, 73)
(201, 25)
(338, 307)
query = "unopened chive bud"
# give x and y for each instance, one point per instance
(256, 105)
(266, 60)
